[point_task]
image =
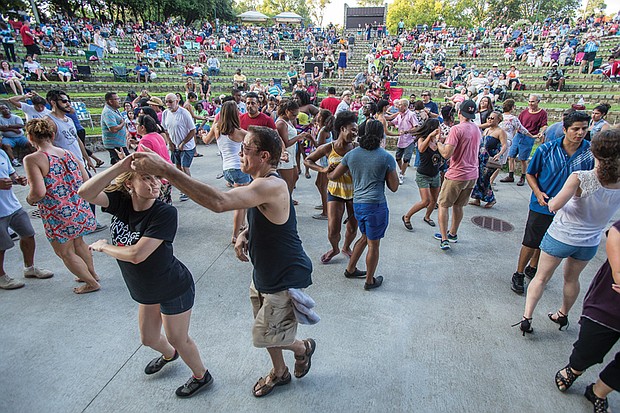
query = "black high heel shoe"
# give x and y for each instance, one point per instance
(525, 325)
(562, 319)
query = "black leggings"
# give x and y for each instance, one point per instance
(82, 135)
(9, 52)
(114, 156)
(593, 343)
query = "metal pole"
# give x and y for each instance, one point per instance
(35, 12)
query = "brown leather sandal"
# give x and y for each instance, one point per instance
(303, 363)
(264, 387)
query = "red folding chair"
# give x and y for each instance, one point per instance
(396, 93)
(579, 57)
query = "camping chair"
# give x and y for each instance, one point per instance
(91, 56)
(120, 73)
(82, 113)
(187, 45)
(396, 93)
(578, 58)
(278, 82)
(598, 61)
(296, 54)
(84, 72)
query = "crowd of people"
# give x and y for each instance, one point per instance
(457, 149)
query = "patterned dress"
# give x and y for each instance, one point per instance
(491, 146)
(65, 214)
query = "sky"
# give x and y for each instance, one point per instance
(334, 12)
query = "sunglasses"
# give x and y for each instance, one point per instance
(63, 100)
(247, 149)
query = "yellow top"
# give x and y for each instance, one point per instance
(343, 186)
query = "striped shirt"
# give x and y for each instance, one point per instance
(552, 166)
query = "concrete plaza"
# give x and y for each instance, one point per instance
(436, 337)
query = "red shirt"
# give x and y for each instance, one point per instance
(533, 122)
(28, 40)
(330, 103)
(245, 121)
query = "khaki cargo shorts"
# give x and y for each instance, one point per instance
(455, 193)
(275, 324)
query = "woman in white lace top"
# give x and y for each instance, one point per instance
(584, 206)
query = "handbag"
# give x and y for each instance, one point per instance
(493, 164)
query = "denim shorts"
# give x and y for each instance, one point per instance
(183, 158)
(179, 304)
(522, 146)
(13, 141)
(235, 176)
(372, 219)
(559, 249)
(405, 153)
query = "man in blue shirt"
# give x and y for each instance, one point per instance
(432, 108)
(113, 128)
(550, 167)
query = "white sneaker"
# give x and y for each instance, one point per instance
(401, 179)
(15, 162)
(183, 197)
(7, 283)
(40, 273)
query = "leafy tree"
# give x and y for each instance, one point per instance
(317, 10)
(413, 12)
(12, 5)
(273, 7)
(366, 3)
(595, 7)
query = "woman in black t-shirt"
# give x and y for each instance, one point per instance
(142, 229)
(427, 175)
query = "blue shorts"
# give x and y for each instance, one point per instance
(235, 176)
(183, 158)
(522, 146)
(179, 304)
(13, 141)
(372, 219)
(559, 249)
(405, 153)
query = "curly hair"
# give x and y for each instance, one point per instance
(39, 130)
(344, 119)
(606, 149)
(372, 138)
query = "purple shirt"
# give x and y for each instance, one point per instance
(602, 304)
(405, 121)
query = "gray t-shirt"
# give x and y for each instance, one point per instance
(368, 169)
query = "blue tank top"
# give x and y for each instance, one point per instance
(276, 253)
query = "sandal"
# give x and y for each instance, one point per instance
(564, 383)
(407, 223)
(429, 222)
(474, 202)
(303, 363)
(99, 163)
(264, 387)
(490, 204)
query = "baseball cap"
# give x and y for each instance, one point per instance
(555, 64)
(345, 93)
(468, 109)
(495, 65)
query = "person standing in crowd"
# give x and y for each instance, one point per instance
(534, 119)
(253, 117)
(407, 123)
(461, 148)
(598, 123)
(229, 137)
(34, 111)
(494, 146)
(65, 133)
(29, 40)
(342, 61)
(432, 110)
(427, 174)
(345, 102)
(371, 168)
(324, 135)
(287, 116)
(339, 190)
(148, 129)
(179, 126)
(143, 229)
(55, 176)
(583, 207)
(272, 242)
(113, 127)
(551, 165)
(331, 102)
(600, 330)
(13, 215)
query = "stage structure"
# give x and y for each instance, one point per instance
(355, 17)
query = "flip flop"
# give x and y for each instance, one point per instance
(407, 223)
(429, 222)
(489, 205)
(475, 202)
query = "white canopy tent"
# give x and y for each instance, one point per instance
(252, 16)
(288, 17)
